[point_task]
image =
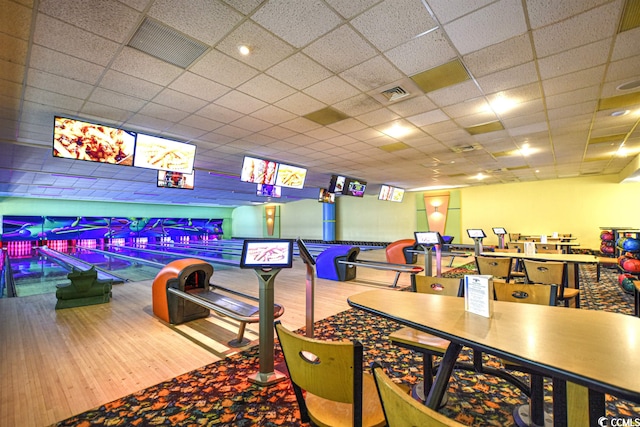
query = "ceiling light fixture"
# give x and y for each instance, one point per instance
(619, 113)
(501, 104)
(244, 50)
(397, 131)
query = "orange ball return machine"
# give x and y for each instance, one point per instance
(181, 293)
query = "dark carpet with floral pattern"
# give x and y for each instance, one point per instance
(220, 395)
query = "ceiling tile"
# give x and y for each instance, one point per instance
(386, 28)
(203, 20)
(340, 49)
(266, 48)
(297, 21)
(492, 24)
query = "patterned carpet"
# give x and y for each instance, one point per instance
(219, 395)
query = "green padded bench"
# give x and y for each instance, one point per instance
(85, 289)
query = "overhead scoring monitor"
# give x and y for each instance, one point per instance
(476, 233)
(267, 253)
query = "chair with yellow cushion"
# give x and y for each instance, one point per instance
(423, 342)
(552, 272)
(328, 380)
(400, 409)
(528, 293)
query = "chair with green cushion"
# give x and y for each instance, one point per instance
(84, 289)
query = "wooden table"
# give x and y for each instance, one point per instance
(594, 352)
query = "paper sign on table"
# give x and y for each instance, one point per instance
(478, 294)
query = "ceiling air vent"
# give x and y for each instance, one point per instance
(395, 93)
(466, 148)
(167, 44)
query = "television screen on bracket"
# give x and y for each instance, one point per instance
(269, 190)
(324, 196)
(153, 152)
(259, 171)
(291, 176)
(336, 185)
(82, 140)
(390, 193)
(169, 179)
(355, 187)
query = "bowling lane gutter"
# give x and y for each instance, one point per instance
(70, 262)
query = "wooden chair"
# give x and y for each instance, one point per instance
(400, 409)
(423, 342)
(328, 380)
(516, 270)
(513, 237)
(528, 294)
(499, 268)
(552, 272)
(548, 251)
(546, 247)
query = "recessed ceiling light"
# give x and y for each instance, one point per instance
(629, 85)
(619, 113)
(244, 50)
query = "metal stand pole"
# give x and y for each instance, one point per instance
(267, 375)
(310, 283)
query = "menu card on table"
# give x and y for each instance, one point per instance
(478, 294)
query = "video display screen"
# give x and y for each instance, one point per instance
(476, 232)
(324, 196)
(269, 190)
(291, 176)
(428, 238)
(153, 152)
(336, 185)
(80, 140)
(258, 171)
(169, 179)
(267, 253)
(304, 253)
(393, 194)
(499, 231)
(355, 187)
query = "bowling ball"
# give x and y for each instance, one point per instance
(631, 245)
(632, 265)
(605, 249)
(606, 235)
(620, 242)
(623, 276)
(627, 285)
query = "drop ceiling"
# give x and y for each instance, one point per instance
(409, 93)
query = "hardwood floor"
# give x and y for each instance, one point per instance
(57, 363)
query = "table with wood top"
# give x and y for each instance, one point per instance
(593, 353)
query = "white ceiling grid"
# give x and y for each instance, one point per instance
(555, 61)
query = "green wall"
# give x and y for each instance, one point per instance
(48, 207)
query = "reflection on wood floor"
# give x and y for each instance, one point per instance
(59, 363)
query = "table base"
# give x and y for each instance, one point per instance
(522, 418)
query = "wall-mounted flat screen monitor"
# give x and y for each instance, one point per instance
(153, 152)
(428, 238)
(269, 190)
(81, 140)
(390, 193)
(476, 233)
(499, 231)
(259, 171)
(291, 176)
(355, 187)
(304, 253)
(267, 253)
(324, 196)
(336, 185)
(171, 179)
